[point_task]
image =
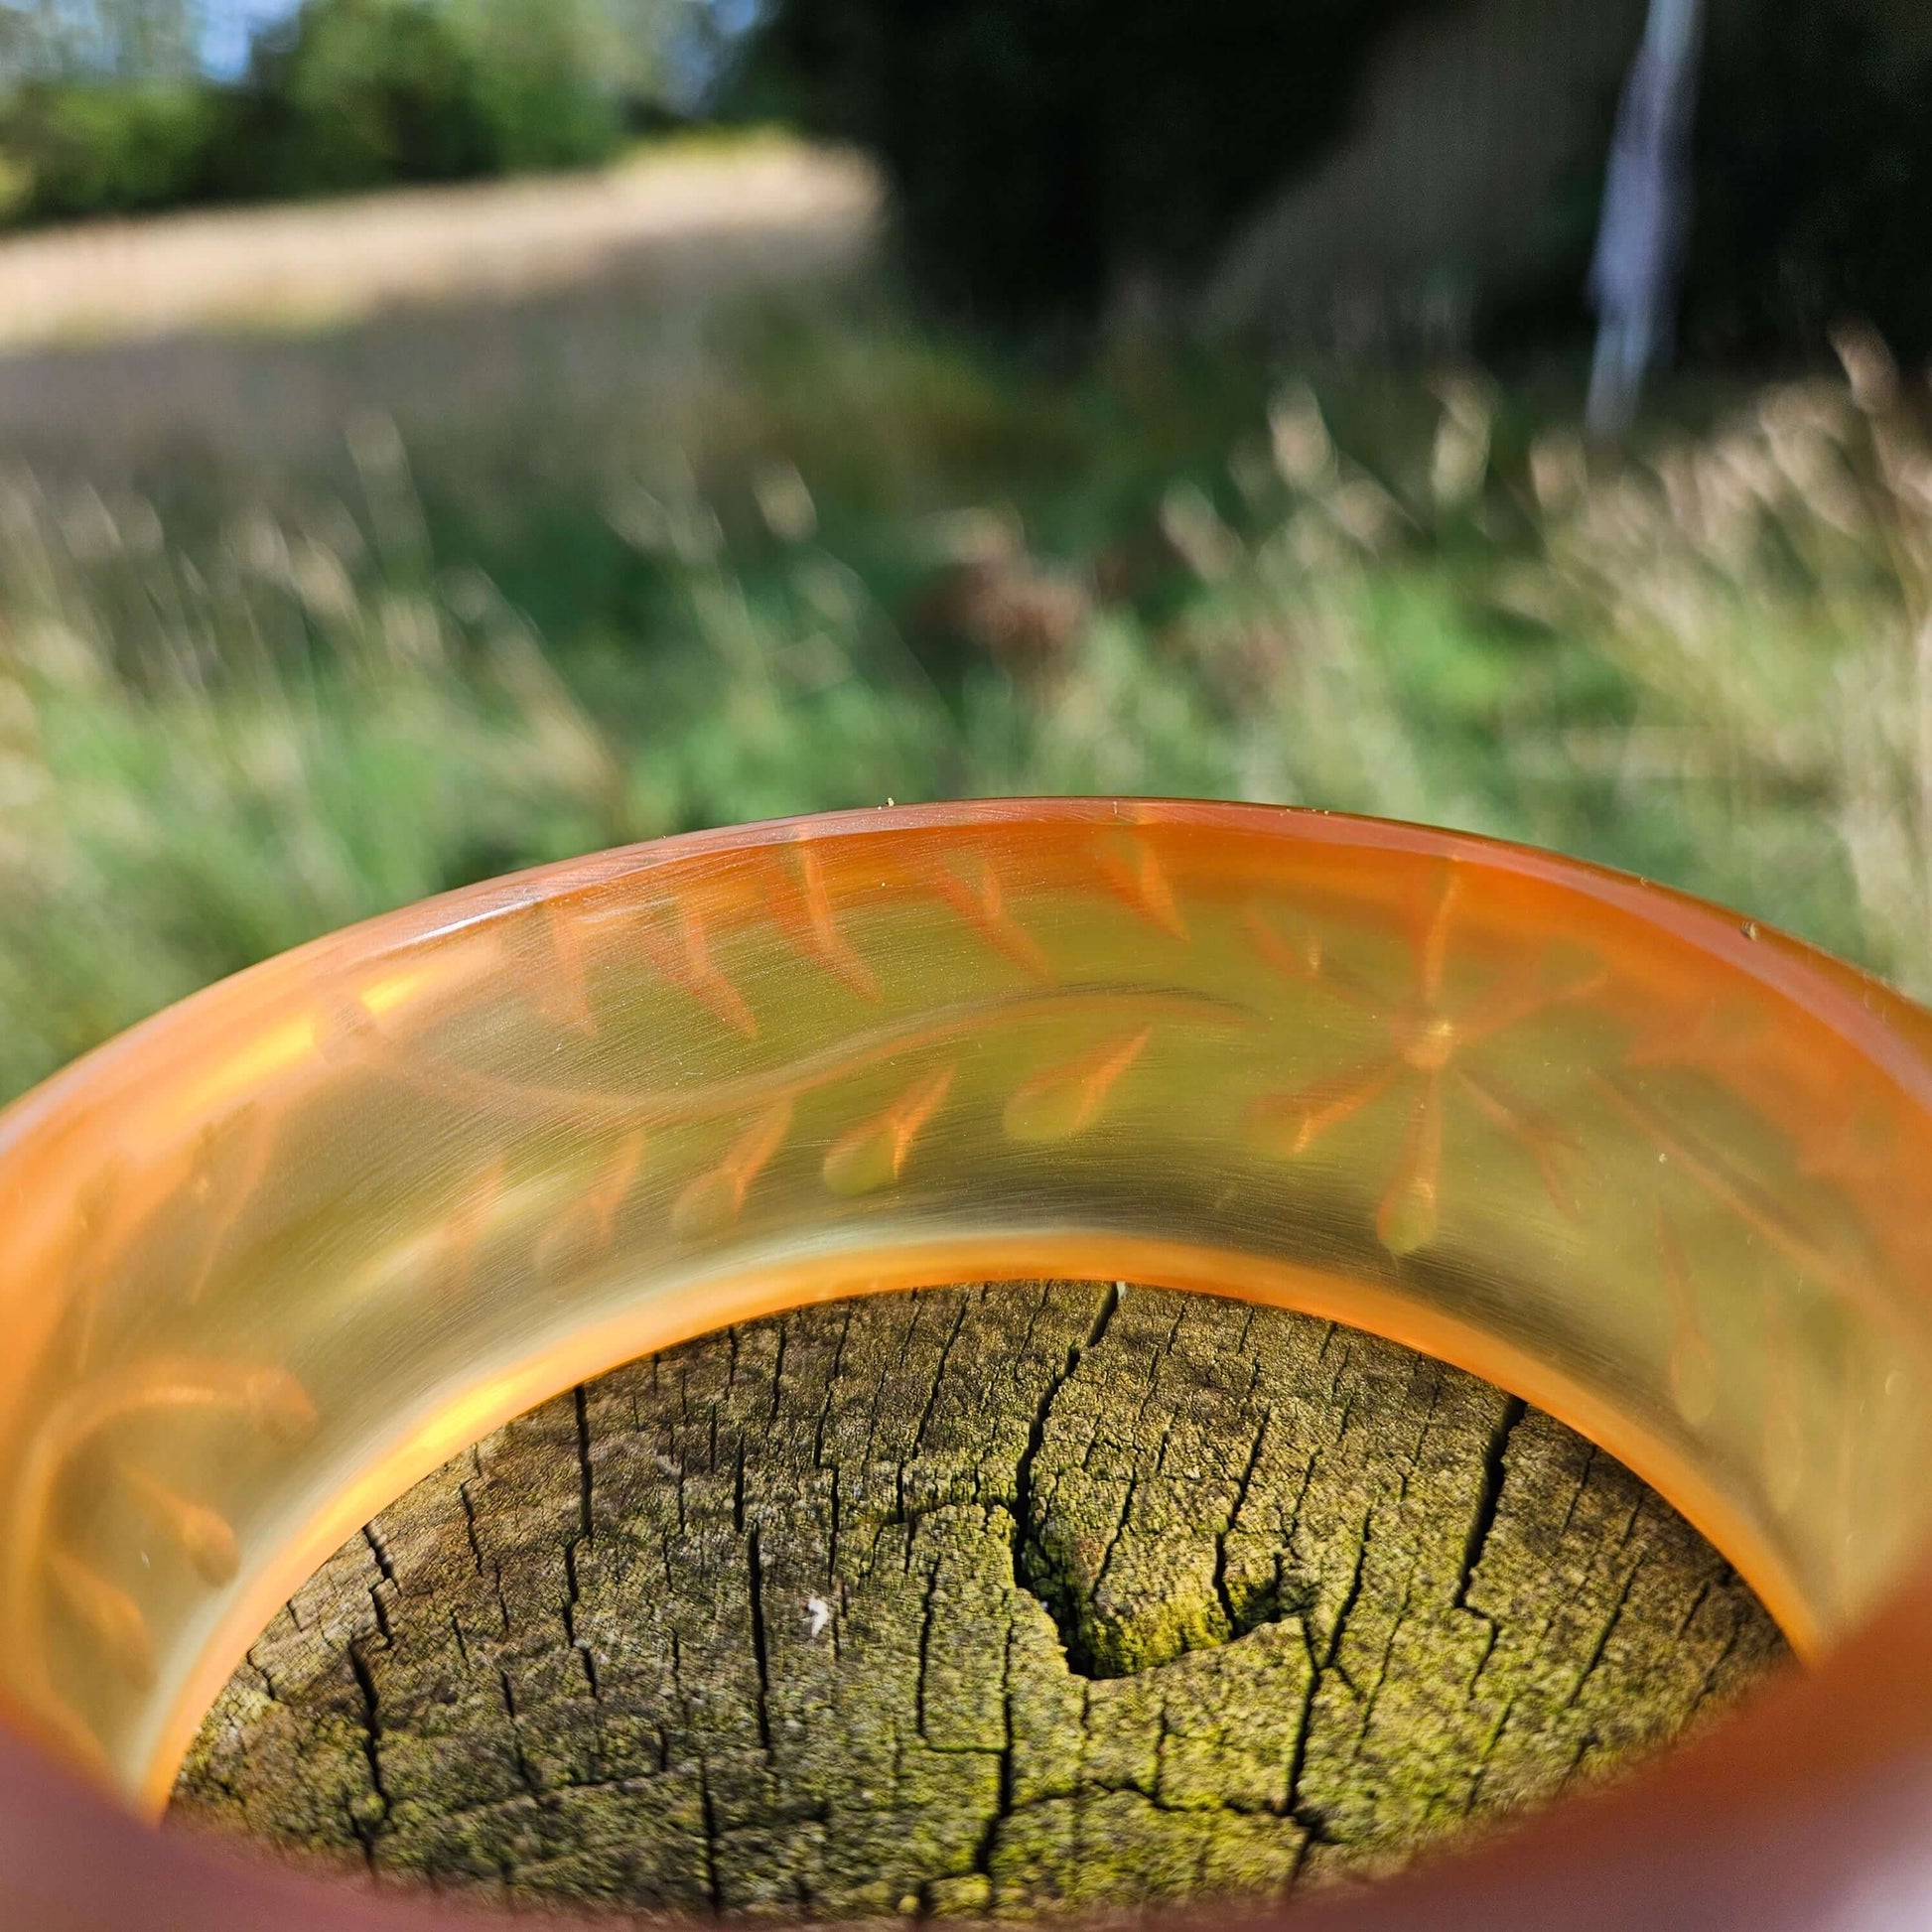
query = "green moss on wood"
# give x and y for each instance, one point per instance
(981, 1600)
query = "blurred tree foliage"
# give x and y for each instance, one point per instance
(361, 92)
(1043, 152)
(75, 148)
(1047, 152)
(344, 96)
(553, 80)
(127, 39)
(1813, 195)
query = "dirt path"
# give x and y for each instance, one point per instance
(337, 261)
(243, 344)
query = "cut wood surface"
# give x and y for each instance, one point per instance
(1008, 1598)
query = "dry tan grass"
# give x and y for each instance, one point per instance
(757, 206)
(1769, 587)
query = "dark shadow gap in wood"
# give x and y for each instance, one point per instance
(1009, 1598)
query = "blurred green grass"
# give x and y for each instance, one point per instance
(842, 559)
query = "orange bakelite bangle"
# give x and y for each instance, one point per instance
(274, 1255)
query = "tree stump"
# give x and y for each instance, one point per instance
(995, 1600)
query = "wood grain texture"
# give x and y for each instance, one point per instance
(994, 1599)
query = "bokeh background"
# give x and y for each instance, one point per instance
(438, 436)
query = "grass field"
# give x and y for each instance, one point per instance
(583, 570)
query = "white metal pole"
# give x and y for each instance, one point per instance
(1646, 214)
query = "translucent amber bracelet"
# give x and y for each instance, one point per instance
(279, 1252)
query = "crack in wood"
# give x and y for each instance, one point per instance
(1404, 1602)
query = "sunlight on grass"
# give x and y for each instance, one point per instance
(1713, 664)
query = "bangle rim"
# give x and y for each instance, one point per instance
(1874, 1027)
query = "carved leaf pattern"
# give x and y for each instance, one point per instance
(716, 1198)
(873, 1153)
(1423, 1057)
(1066, 1100)
(1426, 1039)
